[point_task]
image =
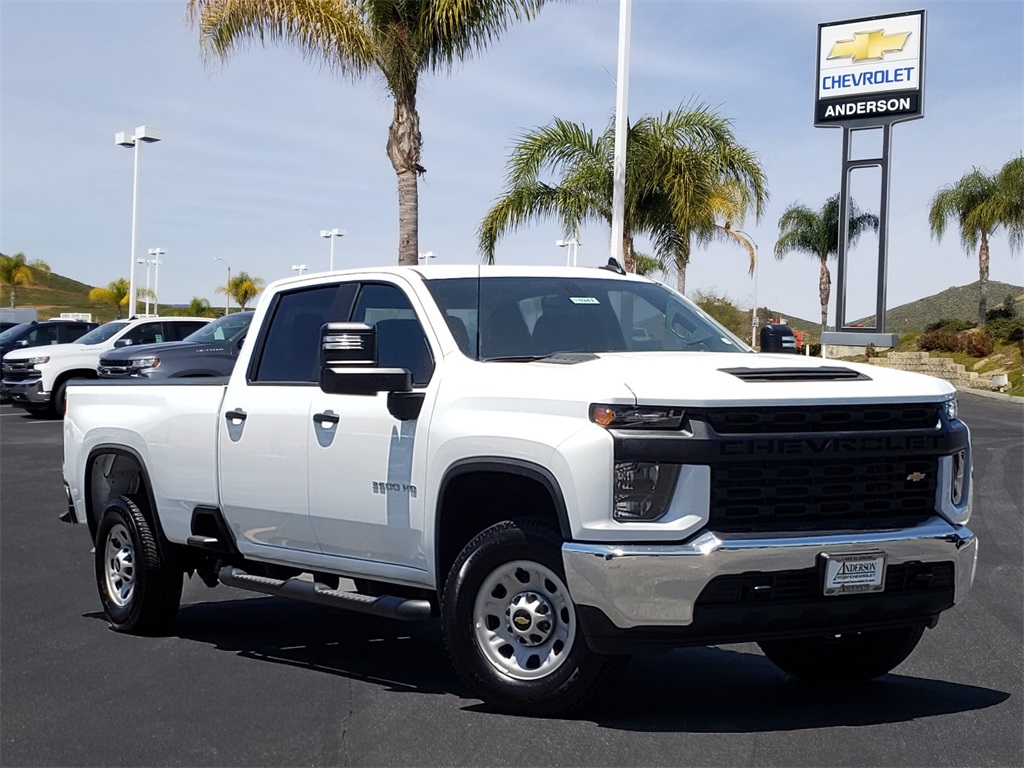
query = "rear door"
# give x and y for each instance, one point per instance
(265, 421)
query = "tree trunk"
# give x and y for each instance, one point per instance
(982, 280)
(404, 142)
(824, 292)
(682, 260)
(14, 298)
(628, 255)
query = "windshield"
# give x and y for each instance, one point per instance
(101, 334)
(221, 329)
(534, 317)
(14, 332)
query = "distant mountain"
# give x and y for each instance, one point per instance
(956, 303)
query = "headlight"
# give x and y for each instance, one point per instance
(142, 363)
(950, 408)
(643, 490)
(636, 416)
(38, 360)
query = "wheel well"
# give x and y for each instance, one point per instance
(477, 499)
(118, 473)
(78, 373)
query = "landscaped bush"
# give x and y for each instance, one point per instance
(1006, 329)
(940, 341)
(952, 325)
(978, 344)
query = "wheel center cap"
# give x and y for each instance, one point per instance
(531, 618)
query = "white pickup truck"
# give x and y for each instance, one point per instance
(566, 465)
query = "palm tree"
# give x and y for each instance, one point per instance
(199, 308)
(395, 39)
(115, 294)
(243, 288)
(16, 270)
(816, 233)
(683, 170)
(981, 203)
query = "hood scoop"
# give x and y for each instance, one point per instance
(784, 375)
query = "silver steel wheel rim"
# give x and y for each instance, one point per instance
(530, 592)
(119, 565)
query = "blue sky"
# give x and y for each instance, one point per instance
(263, 152)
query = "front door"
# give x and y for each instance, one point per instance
(366, 467)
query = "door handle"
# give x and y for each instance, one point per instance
(236, 415)
(328, 417)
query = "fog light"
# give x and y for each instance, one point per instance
(956, 491)
(643, 490)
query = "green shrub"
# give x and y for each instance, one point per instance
(1006, 329)
(978, 344)
(952, 325)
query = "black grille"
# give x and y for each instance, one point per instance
(806, 584)
(822, 495)
(759, 421)
(20, 372)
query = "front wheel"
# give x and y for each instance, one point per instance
(139, 591)
(510, 624)
(847, 658)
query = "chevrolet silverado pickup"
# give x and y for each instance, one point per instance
(566, 466)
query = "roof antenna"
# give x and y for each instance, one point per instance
(613, 266)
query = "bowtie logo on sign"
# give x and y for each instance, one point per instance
(867, 46)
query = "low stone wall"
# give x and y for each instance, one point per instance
(940, 367)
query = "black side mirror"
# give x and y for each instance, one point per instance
(122, 343)
(348, 362)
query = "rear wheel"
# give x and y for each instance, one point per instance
(139, 591)
(847, 658)
(511, 627)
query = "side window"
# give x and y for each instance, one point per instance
(290, 349)
(178, 331)
(43, 335)
(146, 333)
(401, 342)
(70, 332)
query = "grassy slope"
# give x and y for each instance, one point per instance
(956, 303)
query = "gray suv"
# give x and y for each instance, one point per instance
(210, 351)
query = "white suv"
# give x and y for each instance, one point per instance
(36, 379)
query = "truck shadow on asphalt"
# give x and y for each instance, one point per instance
(700, 690)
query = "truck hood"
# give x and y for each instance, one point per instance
(707, 379)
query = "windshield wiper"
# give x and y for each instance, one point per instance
(516, 358)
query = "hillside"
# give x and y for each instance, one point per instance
(52, 294)
(956, 303)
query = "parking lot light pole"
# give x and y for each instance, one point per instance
(425, 257)
(330, 234)
(227, 288)
(757, 263)
(571, 245)
(156, 253)
(122, 138)
(300, 268)
(147, 263)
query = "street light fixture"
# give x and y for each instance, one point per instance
(757, 264)
(148, 135)
(156, 253)
(330, 234)
(227, 288)
(300, 268)
(571, 249)
(424, 257)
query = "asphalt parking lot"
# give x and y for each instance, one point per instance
(247, 680)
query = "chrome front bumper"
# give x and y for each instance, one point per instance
(658, 585)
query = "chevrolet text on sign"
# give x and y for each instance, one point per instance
(870, 68)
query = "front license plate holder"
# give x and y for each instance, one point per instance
(853, 574)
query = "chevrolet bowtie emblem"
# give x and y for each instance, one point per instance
(869, 45)
(916, 477)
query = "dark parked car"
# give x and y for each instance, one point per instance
(210, 351)
(39, 333)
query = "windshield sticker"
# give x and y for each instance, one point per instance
(583, 300)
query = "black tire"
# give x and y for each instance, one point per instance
(139, 592)
(544, 666)
(849, 658)
(57, 400)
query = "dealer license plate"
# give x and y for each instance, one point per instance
(854, 574)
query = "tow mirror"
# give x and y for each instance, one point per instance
(348, 362)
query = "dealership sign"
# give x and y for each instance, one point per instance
(871, 70)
